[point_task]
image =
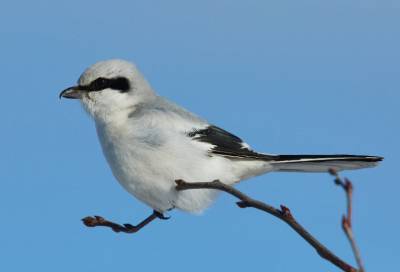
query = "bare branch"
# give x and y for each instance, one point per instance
(283, 213)
(98, 221)
(347, 186)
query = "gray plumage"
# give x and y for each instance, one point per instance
(150, 142)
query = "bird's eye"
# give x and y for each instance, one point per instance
(99, 84)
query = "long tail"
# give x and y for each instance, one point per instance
(322, 163)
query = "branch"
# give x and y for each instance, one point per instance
(283, 213)
(347, 186)
(98, 221)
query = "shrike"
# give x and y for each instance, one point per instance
(149, 142)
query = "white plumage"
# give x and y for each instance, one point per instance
(150, 142)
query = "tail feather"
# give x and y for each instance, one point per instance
(322, 163)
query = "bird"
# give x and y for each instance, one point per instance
(150, 142)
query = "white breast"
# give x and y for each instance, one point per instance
(148, 153)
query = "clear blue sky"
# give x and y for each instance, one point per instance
(288, 77)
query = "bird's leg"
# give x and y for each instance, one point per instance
(98, 221)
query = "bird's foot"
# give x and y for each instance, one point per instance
(161, 215)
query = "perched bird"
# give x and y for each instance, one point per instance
(149, 142)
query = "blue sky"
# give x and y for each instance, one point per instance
(288, 77)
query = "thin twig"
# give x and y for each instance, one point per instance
(283, 213)
(347, 186)
(98, 221)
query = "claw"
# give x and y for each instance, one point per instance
(161, 216)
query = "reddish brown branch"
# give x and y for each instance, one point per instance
(283, 213)
(347, 186)
(98, 221)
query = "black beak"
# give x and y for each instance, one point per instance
(72, 93)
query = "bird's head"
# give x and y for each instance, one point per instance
(109, 87)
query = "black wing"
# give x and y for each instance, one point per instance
(226, 144)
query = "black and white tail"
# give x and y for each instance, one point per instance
(322, 163)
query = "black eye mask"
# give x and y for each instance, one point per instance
(120, 84)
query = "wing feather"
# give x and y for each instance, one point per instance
(226, 144)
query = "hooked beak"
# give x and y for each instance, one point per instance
(74, 92)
